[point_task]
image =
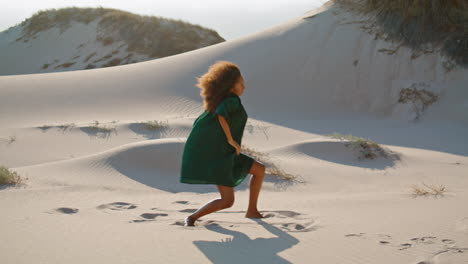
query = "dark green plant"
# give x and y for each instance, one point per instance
(9, 177)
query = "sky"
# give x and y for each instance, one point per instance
(231, 19)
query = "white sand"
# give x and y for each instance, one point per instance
(115, 197)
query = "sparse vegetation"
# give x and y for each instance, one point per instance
(142, 32)
(155, 124)
(9, 177)
(46, 19)
(89, 57)
(66, 127)
(101, 128)
(45, 66)
(251, 127)
(113, 62)
(426, 189)
(424, 26)
(90, 66)
(420, 98)
(103, 58)
(411, 94)
(271, 168)
(106, 41)
(45, 127)
(367, 148)
(65, 65)
(150, 35)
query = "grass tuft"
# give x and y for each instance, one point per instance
(155, 124)
(367, 148)
(66, 127)
(101, 128)
(9, 177)
(270, 167)
(426, 189)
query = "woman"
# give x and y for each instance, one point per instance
(212, 150)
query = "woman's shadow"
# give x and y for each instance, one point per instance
(241, 249)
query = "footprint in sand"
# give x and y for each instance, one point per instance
(190, 210)
(64, 210)
(448, 245)
(197, 223)
(294, 227)
(448, 241)
(382, 239)
(404, 246)
(355, 235)
(147, 217)
(281, 214)
(117, 206)
(181, 202)
(424, 240)
(299, 223)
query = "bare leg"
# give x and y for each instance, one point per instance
(226, 201)
(258, 173)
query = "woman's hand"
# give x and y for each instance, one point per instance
(235, 145)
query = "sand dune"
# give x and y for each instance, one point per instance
(112, 195)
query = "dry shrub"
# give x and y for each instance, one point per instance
(426, 189)
(155, 124)
(367, 148)
(101, 128)
(412, 94)
(420, 98)
(270, 167)
(65, 65)
(66, 127)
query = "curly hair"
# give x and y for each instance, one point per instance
(217, 83)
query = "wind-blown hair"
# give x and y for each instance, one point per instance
(217, 83)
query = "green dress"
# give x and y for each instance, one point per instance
(208, 158)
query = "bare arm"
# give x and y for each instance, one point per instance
(226, 128)
(227, 131)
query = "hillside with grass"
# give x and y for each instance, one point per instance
(74, 38)
(438, 26)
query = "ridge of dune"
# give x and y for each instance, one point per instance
(114, 196)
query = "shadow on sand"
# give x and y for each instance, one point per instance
(241, 249)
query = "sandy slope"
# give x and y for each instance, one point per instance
(115, 197)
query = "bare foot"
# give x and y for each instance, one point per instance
(254, 214)
(189, 221)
